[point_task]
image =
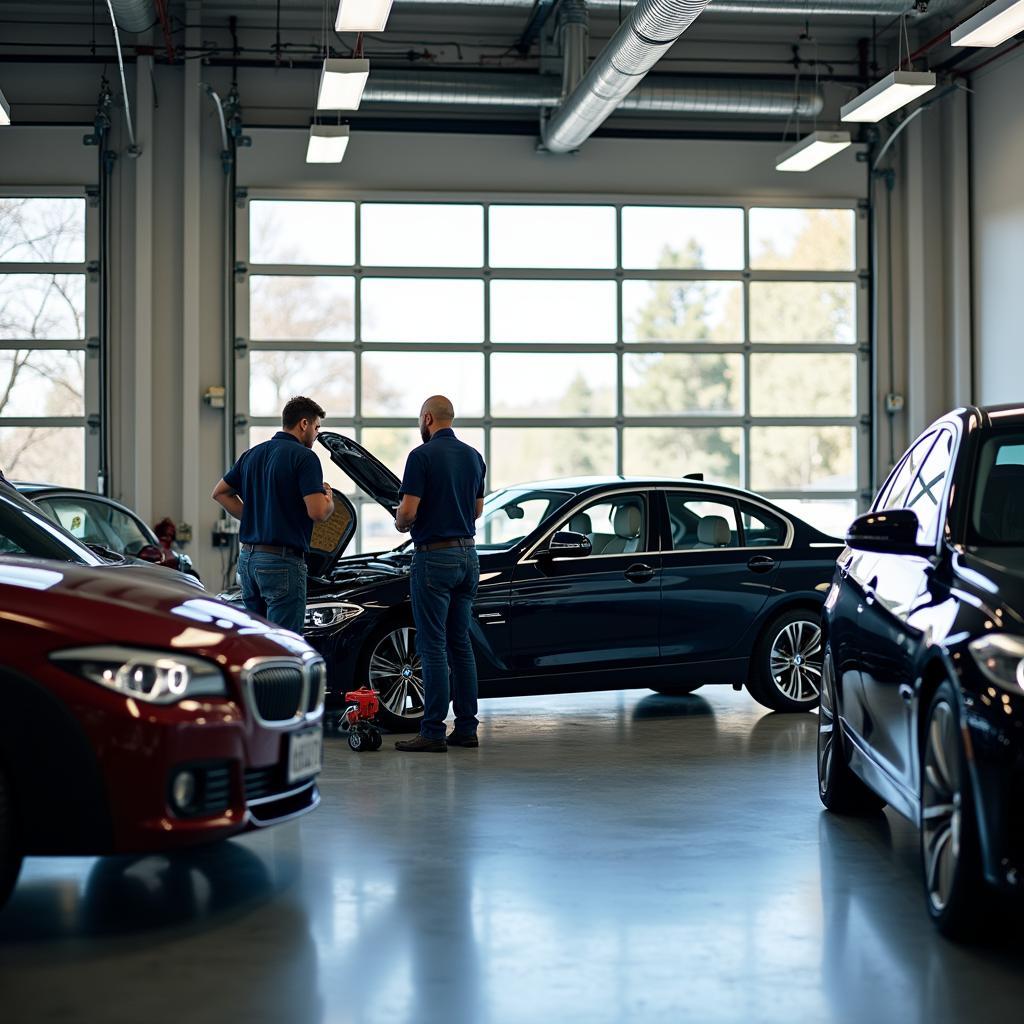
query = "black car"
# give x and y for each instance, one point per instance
(922, 703)
(586, 584)
(103, 522)
(25, 529)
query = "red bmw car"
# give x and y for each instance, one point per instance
(141, 716)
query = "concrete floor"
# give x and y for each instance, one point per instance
(603, 857)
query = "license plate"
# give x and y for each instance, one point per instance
(305, 754)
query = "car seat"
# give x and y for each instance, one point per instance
(713, 532)
(627, 522)
(1002, 508)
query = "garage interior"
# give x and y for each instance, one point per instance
(611, 856)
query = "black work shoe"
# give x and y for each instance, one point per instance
(422, 745)
(460, 740)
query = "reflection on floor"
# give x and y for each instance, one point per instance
(604, 857)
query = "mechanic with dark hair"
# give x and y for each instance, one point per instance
(278, 491)
(442, 497)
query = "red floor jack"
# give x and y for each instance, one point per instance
(363, 705)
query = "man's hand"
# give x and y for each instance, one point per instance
(320, 507)
(228, 499)
(406, 514)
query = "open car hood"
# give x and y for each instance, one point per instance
(368, 472)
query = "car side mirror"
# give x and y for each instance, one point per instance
(892, 532)
(566, 544)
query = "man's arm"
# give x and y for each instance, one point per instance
(320, 507)
(479, 507)
(227, 497)
(406, 514)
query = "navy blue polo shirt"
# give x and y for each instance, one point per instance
(273, 479)
(447, 476)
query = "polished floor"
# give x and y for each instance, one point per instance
(605, 857)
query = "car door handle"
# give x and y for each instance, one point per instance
(639, 573)
(869, 591)
(761, 563)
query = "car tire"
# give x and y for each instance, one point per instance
(10, 848)
(400, 710)
(785, 668)
(958, 899)
(676, 689)
(841, 791)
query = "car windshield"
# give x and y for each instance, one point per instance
(96, 522)
(997, 507)
(512, 515)
(24, 532)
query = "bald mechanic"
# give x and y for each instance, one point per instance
(442, 497)
(278, 491)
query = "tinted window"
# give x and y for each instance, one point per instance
(697, 523)
(616, 525)
(23, 533)
(95, 522)
(761, 528)
(997, 513)
(925, 494)
(511, 516)
(894, 491)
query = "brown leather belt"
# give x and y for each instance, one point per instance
(452, 542)
(274, 549)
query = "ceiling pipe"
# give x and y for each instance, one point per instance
(134, 15)
(659, 95)
(865, 9)
(641, 41)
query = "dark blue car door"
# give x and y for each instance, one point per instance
(597, 614)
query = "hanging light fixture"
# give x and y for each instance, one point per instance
(327, 143)
(342, 81)
(5, 110)
(362, 15)
(815, 149)
(883, 98)
(992, 25)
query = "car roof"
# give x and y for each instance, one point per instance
(579, 484)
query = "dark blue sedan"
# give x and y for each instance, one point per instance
(587, 584)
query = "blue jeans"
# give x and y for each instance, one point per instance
(274, 586)
(443, 587)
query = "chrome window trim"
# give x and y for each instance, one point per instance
(284, 795)
(740, 499)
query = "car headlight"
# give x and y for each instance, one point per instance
(159, 677)
(1000, 658)
(329, 615)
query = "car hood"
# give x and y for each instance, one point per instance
(996, 575)
(78, 605)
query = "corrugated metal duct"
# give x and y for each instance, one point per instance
(134, 15)
(660, 95)
(865, 9)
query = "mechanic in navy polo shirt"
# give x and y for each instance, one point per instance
(277, 490)
(442, 498)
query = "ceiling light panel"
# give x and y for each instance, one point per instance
(813, 150)
(362, 15)
(327, 144)
(892, 92)
(341, 84)
(991, 26)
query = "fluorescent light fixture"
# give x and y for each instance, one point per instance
(327, 144)
(5, 110)
(813, 150)
(892, 92)
(341, 84)
(991, 26)
(362, 15)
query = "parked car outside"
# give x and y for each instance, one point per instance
(95, 519)
(25, 529)
(922, 704)
(141, 716)
(585, 584)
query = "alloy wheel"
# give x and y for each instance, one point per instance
(796, 661)
(941, 805)
(826, 725)
(396, 672)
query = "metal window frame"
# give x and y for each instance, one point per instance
(88, 270)
(741, 419)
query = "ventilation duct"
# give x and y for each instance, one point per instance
(134, 15)
(865, 9)
(641, 41)
(659, 95)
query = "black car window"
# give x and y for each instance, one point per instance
(96, 522)
(615, 524)
(761, 528)
(894, 492)
(512, 515)
(925, 494)
(997, 509)
(24, 533)
(697, 522)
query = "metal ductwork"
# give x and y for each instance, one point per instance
(134, 15)
(641, 41)
(865, 9)
(659, 95)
